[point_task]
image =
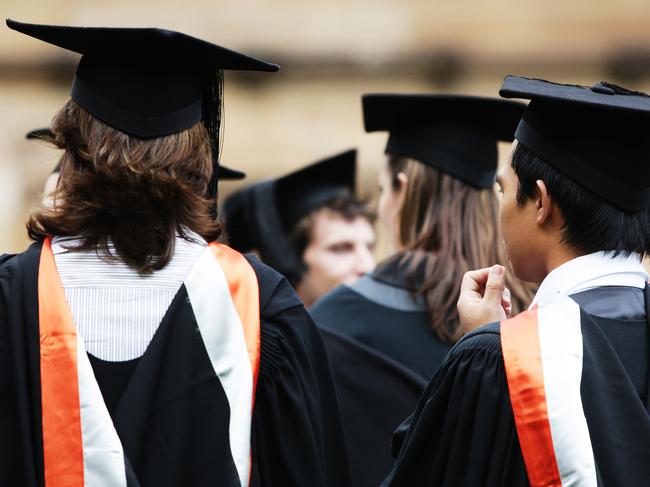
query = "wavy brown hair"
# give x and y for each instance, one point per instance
(136, 194)
(447, 228)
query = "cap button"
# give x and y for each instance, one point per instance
(603, 89)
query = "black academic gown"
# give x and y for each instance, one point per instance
(172, 414)
(462, 432)
(380, 312)
(382, 352)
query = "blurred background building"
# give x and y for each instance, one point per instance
(331, 52)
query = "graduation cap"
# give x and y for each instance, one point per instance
(453, 133)
(261, 216)
(597, 136)
(46, 135)
(147, 82)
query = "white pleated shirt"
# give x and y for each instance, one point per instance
(117, 310)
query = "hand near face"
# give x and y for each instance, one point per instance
(483, 298)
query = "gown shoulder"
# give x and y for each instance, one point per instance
(462, 432)
(297, 430)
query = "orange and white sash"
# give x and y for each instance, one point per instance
(542, 352)
(80, 444)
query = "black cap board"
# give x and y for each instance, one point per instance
(261, 216)
(453, 133)
(227, 174)
(597, 135)
(46, 135)
(147, 82)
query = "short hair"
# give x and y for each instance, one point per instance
(347, 206)
(591, 224)
(136, 193)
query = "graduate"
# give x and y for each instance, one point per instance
(308, 225)
(134, 350)
(557, 395)
(439, 207)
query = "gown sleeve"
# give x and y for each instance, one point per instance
(21, 452)
(297, 432)
(462, 432)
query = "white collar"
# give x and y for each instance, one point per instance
(590, 271)
(61, 245)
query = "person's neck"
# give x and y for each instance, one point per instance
(556, 257)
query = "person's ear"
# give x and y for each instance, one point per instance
(543, 203)
(403, 180)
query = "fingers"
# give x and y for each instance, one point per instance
(483, 298)
(495, 285)
(474, 280)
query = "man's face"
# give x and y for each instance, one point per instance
(518, 225)
(340, 251)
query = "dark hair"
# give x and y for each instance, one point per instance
(447, 227)
(346, 206)
(136, 193)
(591, 224)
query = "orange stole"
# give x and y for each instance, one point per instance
(523, 364)
(245, 293)
(62, 438)
(62, 442)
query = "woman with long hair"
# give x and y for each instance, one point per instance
(135, 350)
(440, 210)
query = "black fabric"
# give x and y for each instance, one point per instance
(129, 41)
(261, 216)
(600, 95)
(227, 174)
(146, 82)
(595, 135)
(621, 317)
(618, 419)
(298, 436)
(453, 133)
(149, 82)
(375, 393)
(403, 336)
(21, 438)
(112, 378)
(303, 191)
(173, 416)
(40, 134)
(613, 302)
(462, 432)
(382, 358)
(132, 120)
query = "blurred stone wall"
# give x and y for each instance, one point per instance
(331, 52)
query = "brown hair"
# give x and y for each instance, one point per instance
(135, 193)
(447, 228)
(347, 206)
